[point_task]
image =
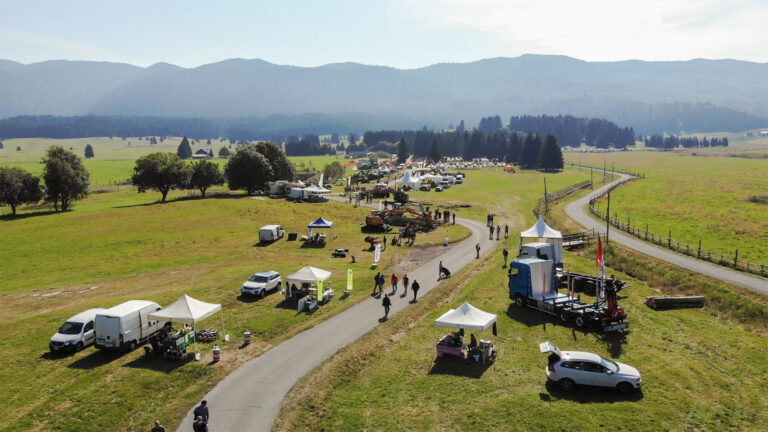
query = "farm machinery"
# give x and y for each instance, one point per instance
(410, 214)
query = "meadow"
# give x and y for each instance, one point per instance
(697, 197)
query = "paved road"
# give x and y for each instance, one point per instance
(578, 212)
(248, 399)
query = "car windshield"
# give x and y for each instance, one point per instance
(71, 328)
(610, 365)
(258, 278)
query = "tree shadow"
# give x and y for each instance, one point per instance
(614, 342)
(186, 198)
(159, 363)
(457, 366)
(588, 394)
(11, 217)
(96, 359)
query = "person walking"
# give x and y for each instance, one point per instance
(415, 288)
(498, 231)
(382, 279)
(454, 218)
(393, 279)
(375, 283)
(405, 285)
(202, 411)
(446, 215)
(505, 252)
(506, 231)
(200, 425)
(386, 303)
(158, 427)
(477, 249)
(490, 232)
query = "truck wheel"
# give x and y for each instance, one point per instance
(625, 388)
(519, 301)
(566, 384)
(580, 321)
(132, 346)
(565, 316)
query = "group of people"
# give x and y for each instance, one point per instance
(378, 289)
(199, 424)
(497, 228)
(445, 215)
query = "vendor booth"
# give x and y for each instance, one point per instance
(409, 180)
(466, 317)
(308, 286)
(551, 236)
(318, 223)
(186, 311)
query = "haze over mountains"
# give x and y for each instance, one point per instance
(692, 96)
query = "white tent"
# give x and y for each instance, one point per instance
(552, 236)
(305, 278)
(467, 317)
(188, 310)
(409, 179)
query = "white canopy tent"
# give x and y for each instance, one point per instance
(467, 317)
(306, 278)
(188, 310)
(409, 179)
(543, 231)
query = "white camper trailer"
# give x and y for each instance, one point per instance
(270, 233)
(127, 325)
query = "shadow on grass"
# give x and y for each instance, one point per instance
(248, 299)
(186, 198)
(10, 217)
(96, 359)
(308, 245)
(614, 342)
(452, 365)
(159, 364)
(588, 394)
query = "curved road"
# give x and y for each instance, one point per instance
(578, 212)
(248, 398)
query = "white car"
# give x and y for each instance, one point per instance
(76, 333)
(570, 368)
(260, 283)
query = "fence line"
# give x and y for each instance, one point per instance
(606, 170)
(667, 241)
(542, 207)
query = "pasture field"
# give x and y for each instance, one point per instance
(694, 197)
(703, 369)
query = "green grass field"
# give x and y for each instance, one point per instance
(695, 197)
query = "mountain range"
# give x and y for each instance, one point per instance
(692, 96)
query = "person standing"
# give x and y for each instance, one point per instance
(200, 425)
(490, 232)
(506, 231)
(477, 249)
(415, 288)
(202, 411)
(505, 252)
(405, 285)
(498, 231)
(375, 283)
(386, 303)
(382, 279)
(158, 427)
(454, 218)
(393, 279)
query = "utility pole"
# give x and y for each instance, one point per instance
(546, 201)
(608, 218)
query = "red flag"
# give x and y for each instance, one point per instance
(599, 259)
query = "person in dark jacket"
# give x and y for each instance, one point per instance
(386, 303)
(202, 411)
(415, 288)
(158, 427)
(405, 285)
(199, 425)
(505, 252)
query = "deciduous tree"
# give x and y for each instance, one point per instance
(161, 172)
(333, 171)
(282, 168)
(18, 187)
(65, 176)
(204, 175)
(248, 169)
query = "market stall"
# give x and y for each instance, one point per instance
(318, 223)
(466, 317)
(307, 286)
(188, 312)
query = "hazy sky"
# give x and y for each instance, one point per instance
(400, 33)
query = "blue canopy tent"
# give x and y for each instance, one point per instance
(319, 223)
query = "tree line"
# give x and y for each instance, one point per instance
(572, 131)
(671, 142)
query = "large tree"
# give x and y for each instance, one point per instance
(434, 152)
(248, 169)
(551, 157)
(88, 151)
(204, 175)
(65, 176)
(402, 151)
(333, 171)
(529, 155)
(161, 172)
(18, 187)
(513, 149)
(282, 168)
(185, 150)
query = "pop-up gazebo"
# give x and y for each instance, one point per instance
(541, 230)
(465, 317)
(188, 310)
(318, 223)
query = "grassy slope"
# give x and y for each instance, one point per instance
(699, 366)
(694, 197)
(119, 246)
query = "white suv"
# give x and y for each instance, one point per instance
(569, 368)
(260, 283)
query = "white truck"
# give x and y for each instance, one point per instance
(127, 325)
(270, 233)
(76, 333)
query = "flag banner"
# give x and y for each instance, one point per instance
(319, 288)
(349, 279)
(599, 259)
(377, 253)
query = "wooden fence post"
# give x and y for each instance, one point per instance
(736, 259)
(669, 239)
(698, 255)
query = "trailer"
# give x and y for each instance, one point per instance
(533, 283)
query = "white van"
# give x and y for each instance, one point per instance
(76, 333)
(270, 233)
(127, 325)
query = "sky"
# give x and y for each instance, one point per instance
(398, 33)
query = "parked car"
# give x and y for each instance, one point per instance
(270, 233)
(438, 189)
(127, 325)
(260, 283)
(571, 368)
(76, 333)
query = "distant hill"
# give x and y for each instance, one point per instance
(653, 97)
